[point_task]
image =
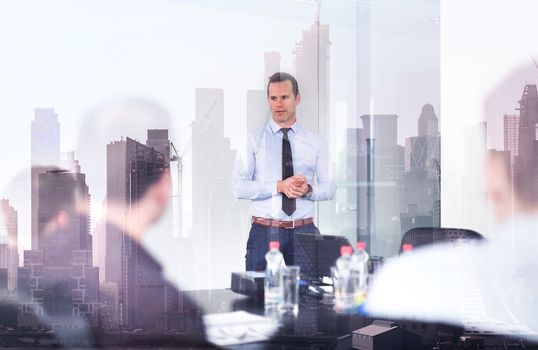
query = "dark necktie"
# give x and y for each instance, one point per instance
(288, 204)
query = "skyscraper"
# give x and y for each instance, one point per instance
(422, 173)
(473, 200)
(421, 189)
(59, 280)
(381, 167)
(99, 245)
(9, 256)
(258, 113)
(208, 143)
(45, 135)
(63, 192)
(511, 135)
(159, 141)
(213, 201)
(526, 161)
(349, 157)
(131, 168)
(428, 124)
(272, 63)
(69, 163)
(528, 121)
(312, 73)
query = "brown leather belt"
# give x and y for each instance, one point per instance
(281, 223)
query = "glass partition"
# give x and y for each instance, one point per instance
(112, 109)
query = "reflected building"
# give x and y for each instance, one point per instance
(131, 168)
(99, 246)
(526, 161)
(68, 162)
(312, 73)
(511, 135)
(45, 154)
(311, 56)
(216, 214)
(473, 199)
(159, 141)
(272, 63)
(58, 284)
(30, 290)
(381, 169)
(258, 112)
(422, 174)
(170, 222)
(354, 151)
(428, 124)
(63, 193)
(45, 137)
(9, 255)
(108, 306)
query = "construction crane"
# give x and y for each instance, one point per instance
(178, 157)
(177, 197)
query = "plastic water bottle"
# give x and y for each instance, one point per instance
(345, 281)
(273, 289)
(359, 260)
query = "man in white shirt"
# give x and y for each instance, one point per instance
(285, 169)
(487, 286)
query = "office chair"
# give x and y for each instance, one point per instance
(421, 236)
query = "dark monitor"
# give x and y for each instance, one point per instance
(316, 253)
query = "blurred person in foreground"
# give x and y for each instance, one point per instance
(65, 202)
(488, 286)
(140, 247)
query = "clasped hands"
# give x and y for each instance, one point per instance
(293, 187)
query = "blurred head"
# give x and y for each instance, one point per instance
(512, 178)
(114, 120)
(110, 121)
(512, 190)
(152, 205)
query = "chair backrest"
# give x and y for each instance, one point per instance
(421, 236)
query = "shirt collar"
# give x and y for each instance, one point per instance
(274, 127)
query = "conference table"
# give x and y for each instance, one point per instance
(316, 325)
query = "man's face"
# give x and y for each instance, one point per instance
(283, 103)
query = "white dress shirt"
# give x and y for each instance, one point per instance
(257, 171)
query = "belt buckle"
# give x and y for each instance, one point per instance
(292, 225)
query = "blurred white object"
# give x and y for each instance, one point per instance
(489, 286)
(238, 328)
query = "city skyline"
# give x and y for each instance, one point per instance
(203, 132)
(75, 164)
(219, 222)
(69, 156)
(75, 92)
(101, 98)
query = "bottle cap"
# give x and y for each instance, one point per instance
(361, 245)
(346, 250)
(407, 247)
(274, 245)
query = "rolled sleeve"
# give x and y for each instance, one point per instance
(244, 185)
(325, 188)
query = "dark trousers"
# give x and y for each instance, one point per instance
(258, 243)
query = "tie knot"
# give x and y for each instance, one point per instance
(285, 131)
